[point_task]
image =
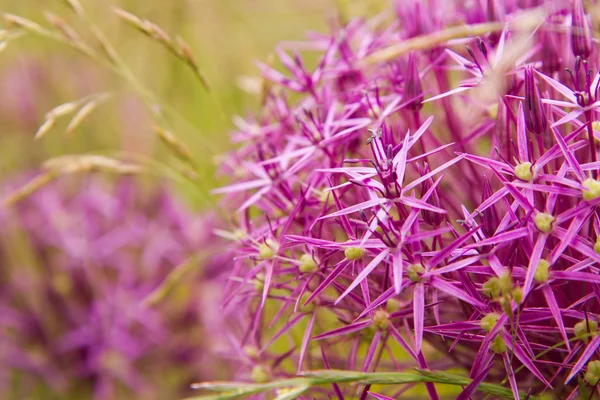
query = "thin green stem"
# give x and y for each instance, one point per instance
(230, 390)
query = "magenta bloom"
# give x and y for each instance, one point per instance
(385, 209)
(82, 309)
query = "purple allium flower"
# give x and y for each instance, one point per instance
(89, 305)
(378, 234)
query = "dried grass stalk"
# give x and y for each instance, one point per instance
(177, 47)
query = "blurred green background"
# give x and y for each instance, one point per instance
(226, 36)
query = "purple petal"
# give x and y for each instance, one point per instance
(364, 273)
(379, 396)
(432, 173)
(534, 260)
(305, 340)
(357, 207)
(419, 314)
(565, 91)
(587, 353)
(345, 330)
(397, 270)
(522, 135)
(524, 358)
(573, 163)
(472, 387)
(555, 310)
(452, 290)
(400, 160)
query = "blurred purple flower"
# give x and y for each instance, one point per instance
(83, 261)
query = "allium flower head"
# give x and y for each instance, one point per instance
(460, 230)
(88, 301)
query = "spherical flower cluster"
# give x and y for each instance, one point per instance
(103, 293)
(422, 198)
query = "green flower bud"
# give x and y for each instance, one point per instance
(268, 249)
(354, 253)
(506, 282)
(498, 346)
(597, 246)
(505, 304)
(517, 295)
(394, 305)
(543, 222)
(381, 320)
(524, 171)
(492, 288)
(488, 322)
(592, 189)
(251, 351)
(260, 374)
(414, 272)
(583, 329)
(592, 375)
(542, 272)
(307, 264)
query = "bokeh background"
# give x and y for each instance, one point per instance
(226, 37)
(49, 290)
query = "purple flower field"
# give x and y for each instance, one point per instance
(409, 211)
(81, 307)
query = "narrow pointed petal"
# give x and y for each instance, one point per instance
(397, 270)
(452, 290)
(470, 389)
(371, 352)
(394, 332)
(327, 281)
(364, 273)
(357, 207)
(522, 135)
(569, 117)
(355, 327)
(432, 173)
(422, 129)
(558, 318)
(569, 156)
(419, 314)
(524, 358)
(242, 187)
(511, 376)
(378, 396)
(306, 339)
(536, 256)
(565, 91)
(587, 354)
(501, 238)
(448, 93)
(400, 159)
